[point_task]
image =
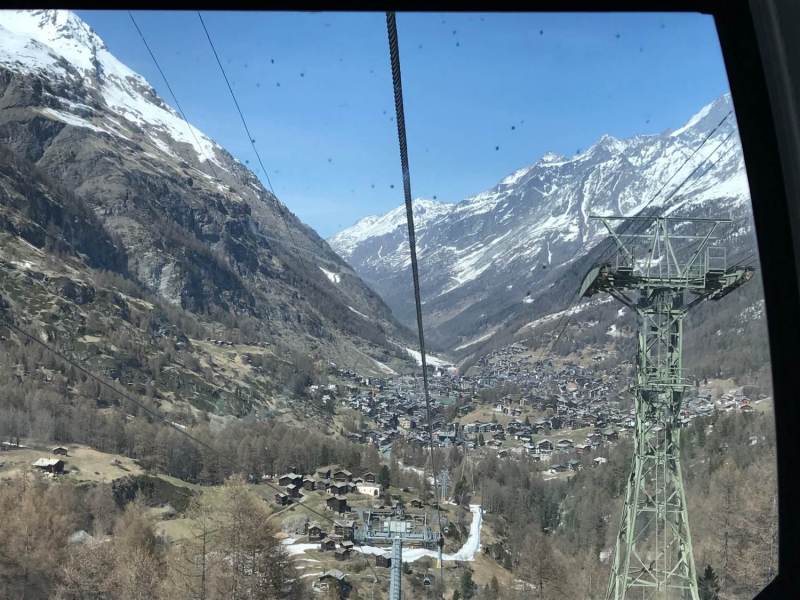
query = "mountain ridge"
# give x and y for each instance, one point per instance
(495, 255)
(195, 228)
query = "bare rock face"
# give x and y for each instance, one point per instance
(126, 186)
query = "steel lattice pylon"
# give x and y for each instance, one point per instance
(660, 282)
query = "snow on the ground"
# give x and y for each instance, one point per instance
(294, 549)
(360, 314)
(466, 553)
(334, 277)
(415, 470)
(433, 361)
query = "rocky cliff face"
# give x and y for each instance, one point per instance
(102, 175)
(515, 253)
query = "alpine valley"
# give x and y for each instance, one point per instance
(126, 230)
(505, 264)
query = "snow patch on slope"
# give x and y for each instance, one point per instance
(43, 41)
(333, 277)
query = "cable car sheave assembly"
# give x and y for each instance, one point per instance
(653, 556)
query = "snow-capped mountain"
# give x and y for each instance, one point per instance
(194, 225)
(488, 259)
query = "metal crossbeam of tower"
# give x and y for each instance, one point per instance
(661, 272)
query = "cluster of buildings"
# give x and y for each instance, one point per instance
(334, 481)
(542, 405)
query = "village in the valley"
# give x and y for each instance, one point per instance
(558, 415)
(562, 417)
(513, 407)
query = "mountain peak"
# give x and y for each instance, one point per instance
(707, 117)
(60, 30)
(43, 41)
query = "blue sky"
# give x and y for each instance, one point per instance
(485, 94)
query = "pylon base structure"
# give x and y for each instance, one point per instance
(660, 283)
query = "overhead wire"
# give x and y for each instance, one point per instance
(250, 137)
(626, 225)
(288, 244)
(181, 112)
(394, 59)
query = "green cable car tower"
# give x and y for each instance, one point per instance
(663, 270)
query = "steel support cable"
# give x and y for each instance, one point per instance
(394, 58)
(182, 114)
(230, 461)
(628, 224)
(250, 138)
(172, 93)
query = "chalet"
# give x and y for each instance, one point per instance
(60, 450)
(327, 545)
(337, 504)
(383, 561)
(610, 434)
(565, 444)
(49, 465)
(315, 532)
(293, 491)
(558, 468)
(339, 489)
(309, 484)
(324, 473)
(344, 529)
(416, 503)
(334, 580)
(282, 499)
(544, 447)
(342, 475)
(290, 479)
(369, 477)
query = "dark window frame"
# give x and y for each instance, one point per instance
(766, 96)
